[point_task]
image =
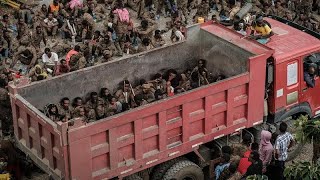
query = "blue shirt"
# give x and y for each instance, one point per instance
(220, 168)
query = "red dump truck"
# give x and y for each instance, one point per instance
(175, 137)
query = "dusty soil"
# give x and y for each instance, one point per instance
(305, 155)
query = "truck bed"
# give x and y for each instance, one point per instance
(129, 142)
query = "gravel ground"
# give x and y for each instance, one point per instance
(305, 155)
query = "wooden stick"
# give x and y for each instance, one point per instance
(132, 90)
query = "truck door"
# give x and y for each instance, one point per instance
(309, 94)
(292, 85)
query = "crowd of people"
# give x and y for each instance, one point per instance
(67, 36)
(239, 161)
(106, 103)
(44, 41)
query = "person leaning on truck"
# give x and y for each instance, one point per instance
(261, 28)
(310, 75)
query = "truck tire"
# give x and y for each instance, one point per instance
(159, 171)
(184, 169)
(133, 177)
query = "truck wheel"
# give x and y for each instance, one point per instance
(159, 171)
(184, 170)
(133, 177)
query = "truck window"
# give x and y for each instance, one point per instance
(311, 68)
(312, 60)
(292, 73)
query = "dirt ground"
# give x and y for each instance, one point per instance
(305, 155)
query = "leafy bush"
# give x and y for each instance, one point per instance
(303, 171)
(307, 130)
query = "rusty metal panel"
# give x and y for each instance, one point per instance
(142, 138)
(38, 138)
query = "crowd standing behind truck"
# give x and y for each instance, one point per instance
(86, 46)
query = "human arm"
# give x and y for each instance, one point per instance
(44, 23)
(55, 22)
(56, 60)
(44, 38)
(268, 33)
(57, 71)
(309, 80)
(291, 142)
(34, 57)
(4, 44)
(15, 58)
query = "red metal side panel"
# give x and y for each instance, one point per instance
(37, 137)
(141, 138)
(257, 68)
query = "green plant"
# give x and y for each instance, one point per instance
(307, 130)
(303, 171)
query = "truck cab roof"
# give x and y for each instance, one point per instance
(288, 41)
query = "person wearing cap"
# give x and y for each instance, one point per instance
(261, 28)
(310, 75)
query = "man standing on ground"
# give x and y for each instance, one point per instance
(283, 142)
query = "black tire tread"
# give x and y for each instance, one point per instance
(177, 167)
(133, 177)
(159, 171)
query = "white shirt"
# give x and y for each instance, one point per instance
(179, 35)
(50, 22)
(52, 60)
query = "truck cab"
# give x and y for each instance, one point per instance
(288, 94)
